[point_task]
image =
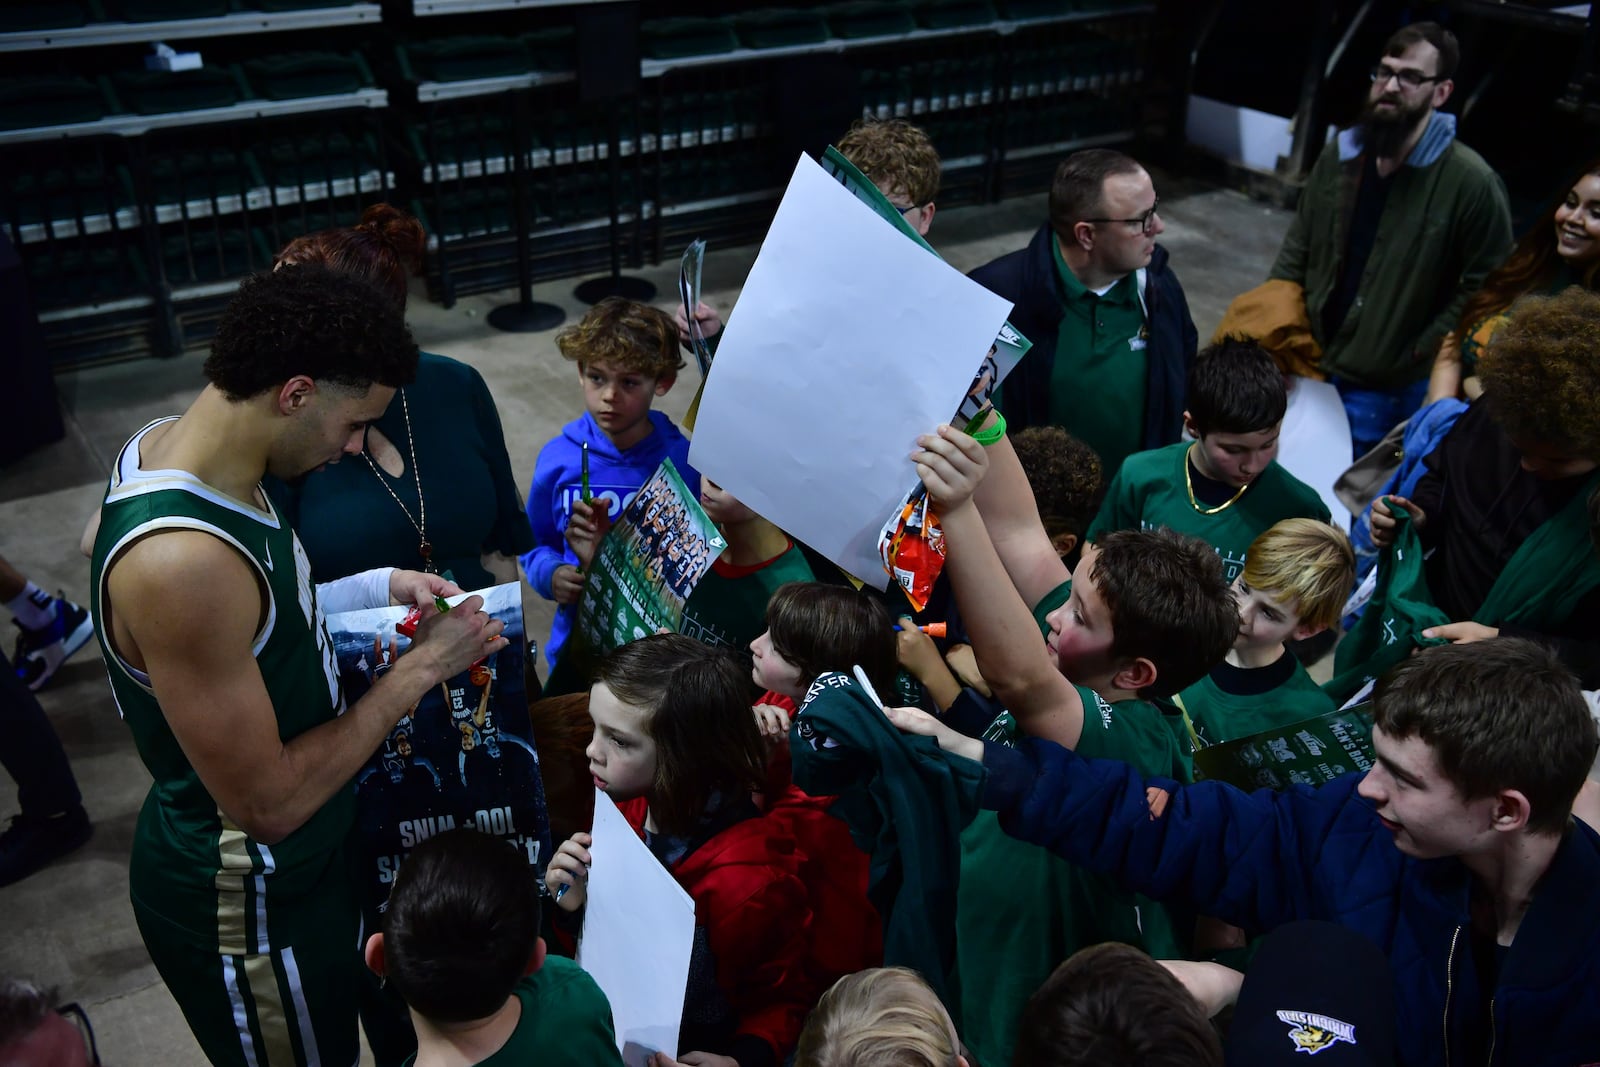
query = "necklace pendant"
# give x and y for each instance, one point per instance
(425, 550)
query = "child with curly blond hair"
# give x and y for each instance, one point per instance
(627, 355)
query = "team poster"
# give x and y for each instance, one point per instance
(647, 565)
(464, 757)
(1307, 753)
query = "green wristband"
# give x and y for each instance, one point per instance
(993, 432)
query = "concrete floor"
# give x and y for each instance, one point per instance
(71, 925)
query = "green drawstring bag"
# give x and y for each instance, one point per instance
(1541, 583)
(1391, 628)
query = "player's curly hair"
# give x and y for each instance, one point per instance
(628, 335)
(1065, 475)
(309, 319)
(895, 156)
(1540, 373)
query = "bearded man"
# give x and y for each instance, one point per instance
(1398, 223)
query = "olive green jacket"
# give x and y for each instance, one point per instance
(1445, 225)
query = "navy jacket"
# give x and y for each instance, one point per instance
(1027, 278)
(1262, 859)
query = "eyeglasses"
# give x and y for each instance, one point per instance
(1408, 79)
(1146, 222)
(904, 211)
(75, 1014)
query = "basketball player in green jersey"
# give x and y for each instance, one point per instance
(241, 876)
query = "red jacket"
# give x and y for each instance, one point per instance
(749, 897)
(846, 928)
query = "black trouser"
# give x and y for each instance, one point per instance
(31, 752)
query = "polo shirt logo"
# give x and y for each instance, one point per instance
(1312, 1033)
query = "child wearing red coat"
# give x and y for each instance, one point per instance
(675, 746)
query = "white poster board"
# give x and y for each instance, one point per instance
(847, 343)
(1315, 443)
(638, 932)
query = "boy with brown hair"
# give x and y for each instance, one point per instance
(627, 355)
(901, 161)
(1226, 486)
(460, 942)
(1296, 578)
(1111, 1005)
(898, 158)
(1455, 854)
(1144, 614)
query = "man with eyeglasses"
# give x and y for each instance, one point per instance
(1111, 332)
(36, 1032)
(1398, 223)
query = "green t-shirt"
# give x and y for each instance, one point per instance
(566, 1019)
(1101, 370)
(729, 606)
(1021, 910)
(1150, 491)
(1220, 713)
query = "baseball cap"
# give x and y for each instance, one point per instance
(1314, 989)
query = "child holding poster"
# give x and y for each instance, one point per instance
(627, 355)
(675, 746)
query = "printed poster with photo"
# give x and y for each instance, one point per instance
(464, 757)
(646, 567)
(1009, 344)
(1312, 753)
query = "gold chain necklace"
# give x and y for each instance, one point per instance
(1188, 483)
(424, 547)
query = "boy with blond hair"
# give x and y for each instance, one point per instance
(1295, 580)
(627, 355)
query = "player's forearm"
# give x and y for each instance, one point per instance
(314, 766)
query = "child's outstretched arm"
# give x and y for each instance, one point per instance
(1005, 637)
(1011, 514)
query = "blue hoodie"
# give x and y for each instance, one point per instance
(613, 476)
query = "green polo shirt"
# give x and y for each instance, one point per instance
(1098, 382)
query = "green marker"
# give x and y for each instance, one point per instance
(584, 488)
(442, 604)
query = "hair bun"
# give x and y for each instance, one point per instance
(401, 232)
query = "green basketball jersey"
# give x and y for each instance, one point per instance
(1150, 492)
(191, 865)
